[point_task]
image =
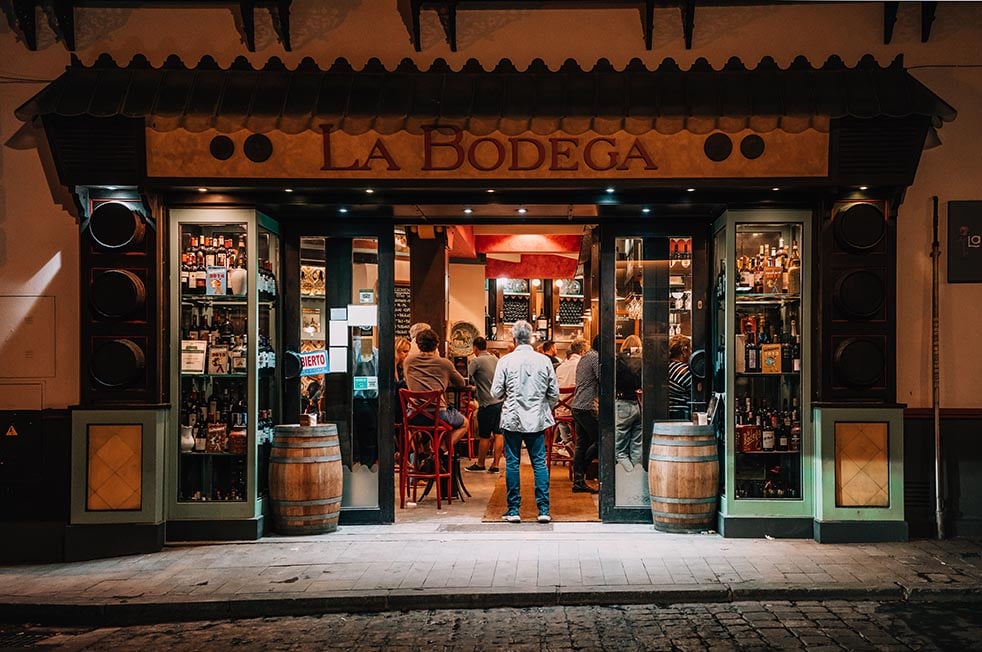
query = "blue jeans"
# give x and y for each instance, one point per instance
(535, 444)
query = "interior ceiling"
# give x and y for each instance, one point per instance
(500, 211)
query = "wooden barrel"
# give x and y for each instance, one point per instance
(683, 476)
(305, 479)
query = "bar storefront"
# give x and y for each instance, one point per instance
(254, 241)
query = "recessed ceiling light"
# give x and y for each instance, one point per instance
(864, 187)
(645, 210)
(490, 189)
(288, 190)
(369, 190)
(522, 211)
(775, 188)
(468, 211)
(690, 189)
(610, 188)
(202, 190)
(342, 210)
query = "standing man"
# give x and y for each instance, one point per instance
(527, 383)
(585, 414)
(549, 350)
(480, 370)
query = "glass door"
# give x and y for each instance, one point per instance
(652, 341)
(333, 321)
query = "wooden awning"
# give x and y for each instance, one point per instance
(603, 99)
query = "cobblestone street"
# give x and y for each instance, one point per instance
(838, 625)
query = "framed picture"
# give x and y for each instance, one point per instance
(964, 242)
(312, 324)
(193, 356)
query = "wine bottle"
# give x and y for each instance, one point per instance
(751, 354)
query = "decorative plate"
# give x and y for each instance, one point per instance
(572, 287)
(462, 335)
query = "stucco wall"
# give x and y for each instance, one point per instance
(34, 229)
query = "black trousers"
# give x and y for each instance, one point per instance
(587, 435)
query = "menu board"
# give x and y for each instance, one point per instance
(403, 310)
(964, 242)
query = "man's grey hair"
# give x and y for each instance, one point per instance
(522, 332)
(417, 328)
(576, 347)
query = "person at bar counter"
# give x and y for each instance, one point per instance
(427, 370)
(402, 348)
(549, 350)
(679, 378)
(481, 372)
(585, 415)
(526, 381)
(566, 375)
(414, 331)
(628, 436)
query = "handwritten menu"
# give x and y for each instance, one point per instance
(403, 314)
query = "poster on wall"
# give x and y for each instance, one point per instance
(965, 242)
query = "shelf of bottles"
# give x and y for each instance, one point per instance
(767, 361)
(571, 303)
(680, 287)
(220, 421)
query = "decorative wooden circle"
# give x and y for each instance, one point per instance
(258, 148)
(752, 146)
(115, 225)
(860, 227)
(222, 148)
(117, 363)
(859, 293)
(718, 147)
(117, 293)
(859, 362)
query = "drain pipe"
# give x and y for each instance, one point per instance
(936, 375)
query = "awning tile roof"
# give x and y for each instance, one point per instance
(636, 99)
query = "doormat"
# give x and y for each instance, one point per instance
(564, 505)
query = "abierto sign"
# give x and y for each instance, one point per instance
(449, 152)
(314, 363)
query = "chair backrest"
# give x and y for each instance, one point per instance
(465, 398)
(563, 406)
(420, 410)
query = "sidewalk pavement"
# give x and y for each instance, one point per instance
(430, 565)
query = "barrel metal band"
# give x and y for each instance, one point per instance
(328, 516)
(305, 444)
(683, 501)
(671, 458)
(304, 460)
(684, 442)
(684, 517)
(300, 503)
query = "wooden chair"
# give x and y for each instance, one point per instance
(424, 436)
(563, 414)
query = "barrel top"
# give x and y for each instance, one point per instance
(296, 430)
(681, 428)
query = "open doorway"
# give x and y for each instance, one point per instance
(470, 274)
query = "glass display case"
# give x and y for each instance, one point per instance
(225, 389)
(761, 380)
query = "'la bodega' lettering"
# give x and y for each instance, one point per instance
(448, 149)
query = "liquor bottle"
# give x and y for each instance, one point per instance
(209, 252)
(185, 271)
(229, 251)
(794, 270)
(201, 437)
(200, 273)
(795, 348)
(767, 433)
(221, 254)
(783, 429)
(786, 353)
(751, 354)
(214, 406)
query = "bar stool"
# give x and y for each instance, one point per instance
(423, 437)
